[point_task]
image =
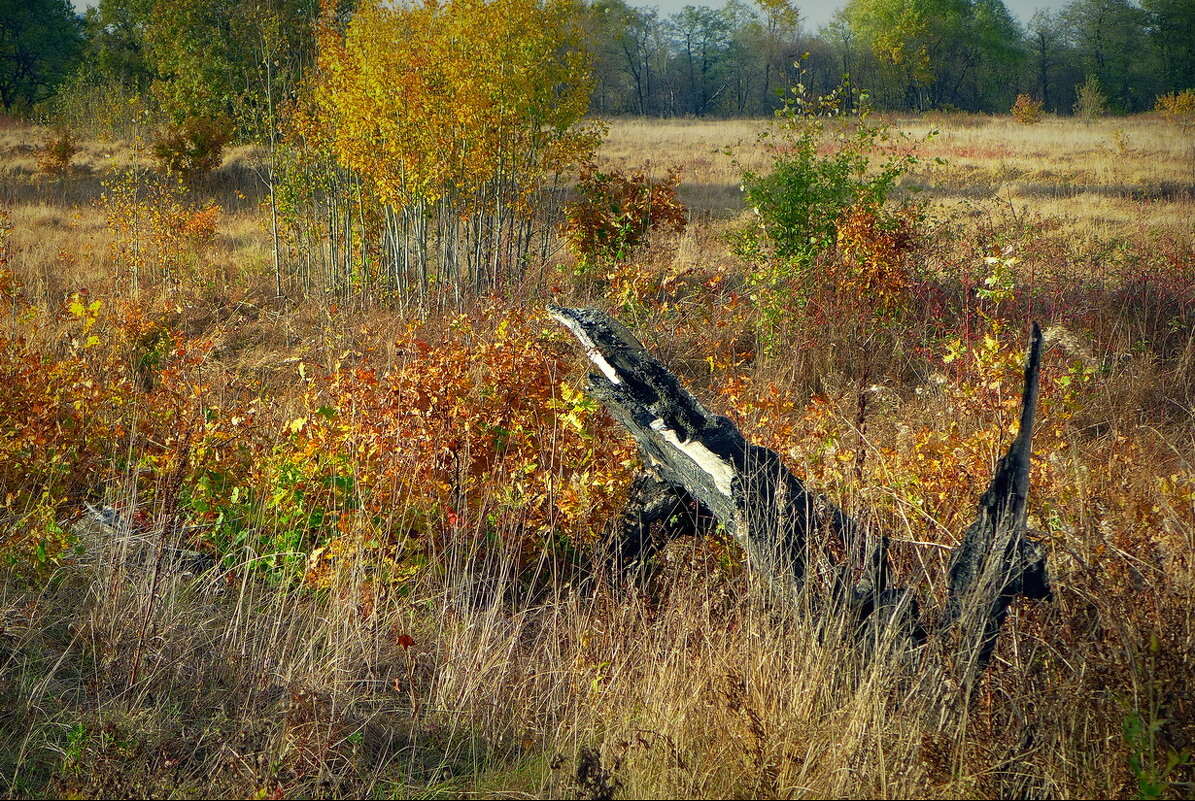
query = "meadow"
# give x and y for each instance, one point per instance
(263, 545)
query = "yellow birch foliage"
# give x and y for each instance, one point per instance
(439, 100)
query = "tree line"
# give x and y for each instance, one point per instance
(917, 55)
(226, 56)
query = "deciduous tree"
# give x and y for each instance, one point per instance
(1170, 27)
(39, 42)
(701, 37)
(455, 114)
(1109, 40)
(937, 52)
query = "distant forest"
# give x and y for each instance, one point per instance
(914, 55)
(210, 56)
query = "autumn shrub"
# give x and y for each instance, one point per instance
(97, 108)
(474, 414)
(466, 432)
(475, 428)
(616, 212)
(873, 269)
(824, 164)
(1026, 110)
(59, 433)
(159, 233)
(57, 151)
(1177, 108)
(192, 148)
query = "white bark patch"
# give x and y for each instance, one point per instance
(591, 349)
(710, 463)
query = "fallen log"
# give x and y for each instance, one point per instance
(698, 466)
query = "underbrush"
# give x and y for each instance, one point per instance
(292, 547)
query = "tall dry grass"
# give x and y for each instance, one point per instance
(142, 662)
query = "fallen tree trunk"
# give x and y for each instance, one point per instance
(697, 463)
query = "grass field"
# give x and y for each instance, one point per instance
(350, 551)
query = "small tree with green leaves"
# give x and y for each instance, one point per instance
(831, 173)
(824, 162)
(1091, 102)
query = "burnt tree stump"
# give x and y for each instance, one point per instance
(997, 560)
(691, 453)
(697, 464)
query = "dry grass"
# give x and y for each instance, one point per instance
(1104, 179)
(505, 667)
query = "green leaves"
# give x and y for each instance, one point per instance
(39, 42)
(822, 165)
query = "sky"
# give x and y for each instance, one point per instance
(817, 14)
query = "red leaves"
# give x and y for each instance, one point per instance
(616, 212)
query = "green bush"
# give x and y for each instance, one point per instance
(193, 148)
(824, 162)
(1091, 103)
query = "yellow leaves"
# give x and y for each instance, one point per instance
(1178, 108)
(84, 312)
(157, 231)
(574, 408)
(433, 100)
(87, 314)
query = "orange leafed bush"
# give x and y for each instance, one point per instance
(199, 225)
(477, 431)
(874, 253)
(57, 151)
(1026, 110)
(616, 212)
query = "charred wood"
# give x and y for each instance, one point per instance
(698, 465)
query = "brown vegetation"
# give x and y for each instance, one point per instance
(304, 545)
